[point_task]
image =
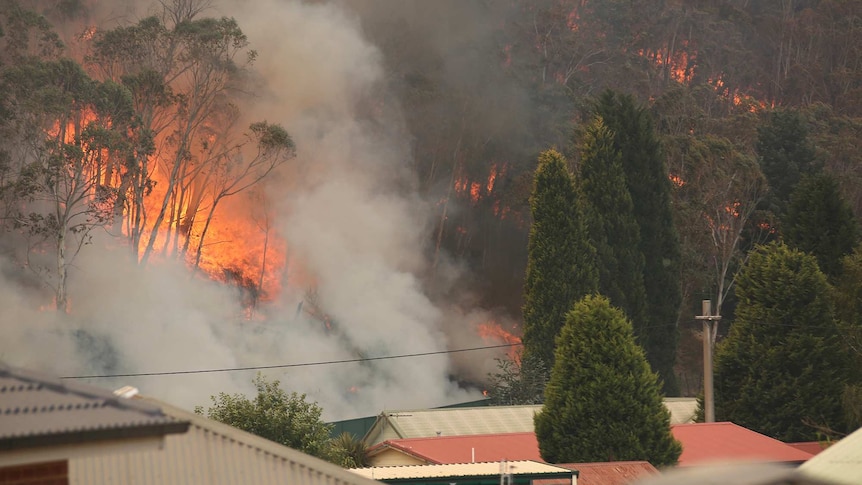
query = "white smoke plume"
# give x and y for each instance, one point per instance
(349, 212)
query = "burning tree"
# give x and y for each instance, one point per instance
(61, 178)
(181, 71)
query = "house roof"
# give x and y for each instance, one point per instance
(467, 448)
(512, 447)
(813, 447)
(419, 423)
(38, 410)
(733, 474)
(841, 463)
(209, 453)
(610, 473)
(704, 443)
(534, 469)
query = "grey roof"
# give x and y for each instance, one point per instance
(210, 453)
(40, 410)
(424, 423)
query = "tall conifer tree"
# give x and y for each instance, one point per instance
(612, 227)
(782, 369)
(786, 155)
(603, 403)
(820, 221)
(648, 183)
(560, 262)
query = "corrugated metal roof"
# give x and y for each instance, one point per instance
(523, 467)
(704, 443)
(732, 474)
(40, 410)
(682, 409)
(210, 453)
(840, 463)
(468, 448)
(813, 447)
(611, 473)
(514, 447)
(419, 423)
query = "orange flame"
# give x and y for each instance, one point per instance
(491, 331)
(679, 64)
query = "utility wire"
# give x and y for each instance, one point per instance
(284, 366)
(347, 361)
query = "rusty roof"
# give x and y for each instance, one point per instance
(41, 410)
(610, 473)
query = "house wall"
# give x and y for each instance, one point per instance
(390, 457)
(50, 473)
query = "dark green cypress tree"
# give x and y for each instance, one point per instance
(648, 183)
(820, 221)
(611, 223)
(603, 402)
(560, 260)
(786, 155)
(782, 369)
(847, 296)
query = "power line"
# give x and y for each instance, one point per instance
(284, 366)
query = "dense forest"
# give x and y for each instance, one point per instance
(141, 130)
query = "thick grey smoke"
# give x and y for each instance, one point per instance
(347, 207)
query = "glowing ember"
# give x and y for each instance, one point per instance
(475, 187)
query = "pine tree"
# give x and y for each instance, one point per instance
(612, 227)
(603, 403)
(561, 260)
(782, 369)
(648, 183)
(820, 221)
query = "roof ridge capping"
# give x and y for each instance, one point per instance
(56, 384)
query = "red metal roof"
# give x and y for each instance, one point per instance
(612, 473)
(704, 443)
(468, 448)
(512, 447)
(813, 447)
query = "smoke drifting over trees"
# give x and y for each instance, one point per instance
(396, 220)
(357, 232)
